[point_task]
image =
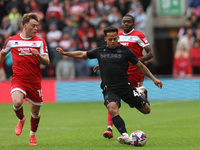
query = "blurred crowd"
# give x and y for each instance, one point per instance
(187, 55)
(70, 24)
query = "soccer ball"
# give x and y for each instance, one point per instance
(138, 138)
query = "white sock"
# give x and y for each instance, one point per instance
(32, 133)
(125, 134)
(110, 127)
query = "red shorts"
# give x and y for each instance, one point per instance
(32, 92)
(136, 81)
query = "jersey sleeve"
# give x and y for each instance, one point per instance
(142, 40)
(43, 48)
(7, 46)
(92, 54)
(132, 58)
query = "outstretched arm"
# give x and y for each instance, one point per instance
(147, 73)
(76, 54)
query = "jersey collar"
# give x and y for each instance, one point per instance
(129, 32)
(25, 38)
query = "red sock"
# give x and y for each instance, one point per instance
(19, 113)
(34, 123)
(110, 122)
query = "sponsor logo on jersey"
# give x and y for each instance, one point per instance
(34, 44)
(25, 51)
(110, 55)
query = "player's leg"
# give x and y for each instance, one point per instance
(35, 119)
(17, 98)
(108, 133)
(113, 103)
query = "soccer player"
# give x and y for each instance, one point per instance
(28, 52)
(114, 61)
(136, 41)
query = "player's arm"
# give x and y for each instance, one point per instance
(76, 54)
(149, 54)
(147, 73)
(2, 56)
(44, 59)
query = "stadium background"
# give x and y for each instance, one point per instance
(164, 19)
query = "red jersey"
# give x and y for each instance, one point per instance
(136, 41)
(26, 66)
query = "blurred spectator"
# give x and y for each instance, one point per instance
(197, 33)
(140, 20)
(187, 40)
(11, 4)
(123, 6)
(103, 6)
(25, 6)
(5, 26)
(95, 20)
(8, 66)
(2, 10)
(193, 3)
(182, 30)
(85, 34)
(181, 65)
(114, 16)
(56, 7)
(76, 9)
(65, 68)
(91, 9)
(65, 43)
(15, 19)
(36, 10)
(53, 37)
(70, 28)
(136, 7)
(195, 58)
(82, 68)
(93, 62)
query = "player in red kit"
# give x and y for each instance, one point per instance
(137, 42)
(28, 52)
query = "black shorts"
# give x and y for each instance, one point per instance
(133, 98)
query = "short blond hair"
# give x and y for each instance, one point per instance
(27, 17)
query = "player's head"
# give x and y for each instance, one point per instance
(128, 22)
(111, 36)
(30, 24)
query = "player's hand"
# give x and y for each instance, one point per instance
(35, 52)
(96, 68)
(59, 50)
(158, 83)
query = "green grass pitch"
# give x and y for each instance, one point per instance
(171, 125)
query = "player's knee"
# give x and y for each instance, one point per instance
(112, 109)
(147, 110)
(17, 104)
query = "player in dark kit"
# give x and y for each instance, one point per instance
(114, 61)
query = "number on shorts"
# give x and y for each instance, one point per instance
(40, 92)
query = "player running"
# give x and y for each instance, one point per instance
(28, 52)
(114, 61)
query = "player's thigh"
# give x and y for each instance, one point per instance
(111, 97)
(134, 99)
(17, 98)
(34, 95)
